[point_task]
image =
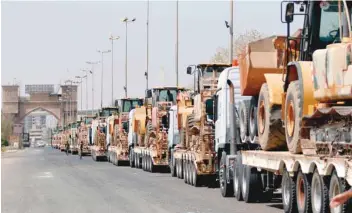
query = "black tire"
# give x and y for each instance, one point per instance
(237, 177)
(252, 120)
(131, 158)
(196, 178)
(338, 186)
(251, 189)
(184, 165)
(293, 117)
(243, 119)
(144, 162)
(226, 188)
(172, 164)
(271, 134)
(289, 193)
(153, 168)
(319, 193)
(303, 190)
(177, 168)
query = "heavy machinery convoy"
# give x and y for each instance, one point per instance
(118, 151)
(303, 123)
(279, 118)
(148, 135)
(99, 128)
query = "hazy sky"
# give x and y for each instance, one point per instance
(42, 40)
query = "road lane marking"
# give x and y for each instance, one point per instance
(45, 175)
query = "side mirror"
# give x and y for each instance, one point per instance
(209, 108)
(215, 102)
(290, 10)
(189, 70)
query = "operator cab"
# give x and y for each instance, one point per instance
(127, 104)
(206, 75)
(321, 26)
(164, 95)
(108, 111)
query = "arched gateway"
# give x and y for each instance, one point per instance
(63, 106)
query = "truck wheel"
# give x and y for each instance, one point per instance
(108, 157)
(303, 183)
(184, 171)
(293, 117)
(177, 169)
(270, 131)
(252, 120)
(136, 160)
(143, 162)
(149, 163)
(243, 119)
(289, 193)
(338, 186)
(225, 187)
(196, 177)
(320, 193)
(237, 178)
(131, 158)
(250, 184)
(153, 168)
(172, 164)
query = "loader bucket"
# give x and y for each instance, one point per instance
(261, 57)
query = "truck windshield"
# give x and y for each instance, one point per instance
(207, 72)
(167, 95)
(128, 105)
(108, 112)
(89, 120)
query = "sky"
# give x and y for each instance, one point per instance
(50, 42)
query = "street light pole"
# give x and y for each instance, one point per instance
(176, 61)
(112, 38)
(102, 71)
(230, 27)
(147, 72)
(80, 82)
(92, 72)
(126, 22)
(231, 31)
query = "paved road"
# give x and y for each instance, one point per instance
(43, 180)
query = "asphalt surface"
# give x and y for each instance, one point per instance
(43, 180)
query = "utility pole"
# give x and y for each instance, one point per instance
(112, 38)
(126, 22)
(102, 71)
(176, 61)
(92, 72)
(231, 31)
(230, 27)
(147, 72)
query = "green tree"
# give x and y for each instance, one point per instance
(240, 42)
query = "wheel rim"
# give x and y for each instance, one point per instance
(286, 192)
(336, 191)
(316, 195)
(261, 117)
(221, 178)
(300, 193)
(290, 119)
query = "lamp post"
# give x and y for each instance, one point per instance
(92, 72)
(126, 22)
(80, 82)
(147, 70)
(102, 71)
(230, 27)
(112, 39)
(176, 60)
